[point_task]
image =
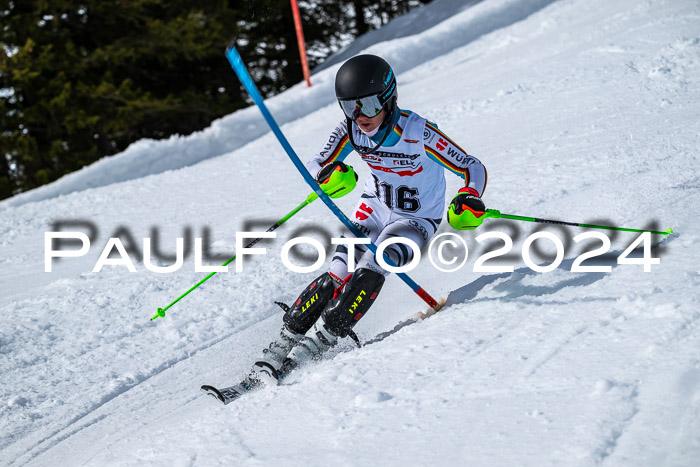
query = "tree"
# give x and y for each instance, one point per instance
(81, 80)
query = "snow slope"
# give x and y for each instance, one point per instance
(583, 110)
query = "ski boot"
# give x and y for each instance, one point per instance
(297, 320)
(337, 320)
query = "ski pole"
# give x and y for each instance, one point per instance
(495, 214)
(309, 199)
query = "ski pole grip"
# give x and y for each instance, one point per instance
(493, 213)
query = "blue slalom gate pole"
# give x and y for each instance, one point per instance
(239, 67)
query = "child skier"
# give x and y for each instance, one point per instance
(404, 196)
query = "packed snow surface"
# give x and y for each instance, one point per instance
(581, 110)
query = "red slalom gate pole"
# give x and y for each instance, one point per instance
(300, 40)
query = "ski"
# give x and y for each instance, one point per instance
(229, 394)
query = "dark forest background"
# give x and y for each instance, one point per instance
(80, 80)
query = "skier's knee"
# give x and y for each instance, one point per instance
(399, 253)
(358, 295)
(308, 307)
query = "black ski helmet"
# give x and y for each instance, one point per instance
(365, 75)
(371, 77)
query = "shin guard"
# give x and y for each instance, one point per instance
(310, 304)
(355, 299)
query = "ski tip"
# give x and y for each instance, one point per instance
(212, 391)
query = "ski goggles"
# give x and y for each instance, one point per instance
(369, 106)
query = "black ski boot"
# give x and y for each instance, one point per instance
(297, 320)
(337, 320)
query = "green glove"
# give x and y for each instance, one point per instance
(337, 179)
(466, 211)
